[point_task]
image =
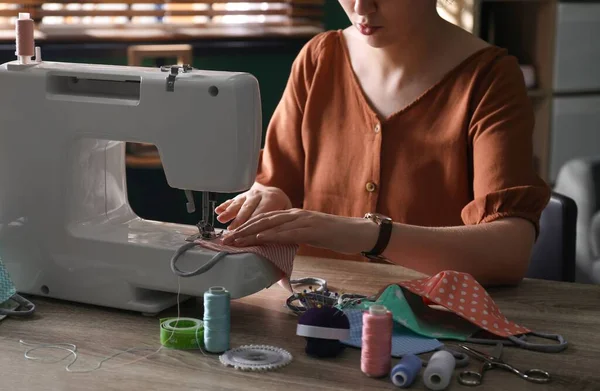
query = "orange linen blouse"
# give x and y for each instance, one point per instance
(460, 154)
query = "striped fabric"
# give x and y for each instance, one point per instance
(282, 256)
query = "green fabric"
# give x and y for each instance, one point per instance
(7, 288)
(409, 310)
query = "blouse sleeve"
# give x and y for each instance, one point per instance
(281, 161)
(500, 135)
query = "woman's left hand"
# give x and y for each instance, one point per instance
(347, 235)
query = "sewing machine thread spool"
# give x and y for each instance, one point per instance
(438, 372)
(181, 333)
(405, 372)
(25, 44)
(376, 359)
(217, 323)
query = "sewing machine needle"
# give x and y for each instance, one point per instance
(206, 207)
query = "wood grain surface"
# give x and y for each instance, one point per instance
(571, 310)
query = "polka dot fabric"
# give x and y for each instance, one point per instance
(463, 295)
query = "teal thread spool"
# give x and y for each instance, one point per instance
(217, 323)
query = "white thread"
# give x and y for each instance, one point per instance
(438, 372)
(72, 349)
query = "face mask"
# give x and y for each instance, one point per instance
(280, 255)
(404, 341)
(409, 311)
(452, 305)
(9, 300)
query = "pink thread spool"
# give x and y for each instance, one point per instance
(25, 43)
(376, 358)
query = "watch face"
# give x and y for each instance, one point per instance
(377, 217)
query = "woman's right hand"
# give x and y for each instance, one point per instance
(259, 199)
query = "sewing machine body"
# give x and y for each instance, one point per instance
(67, 230)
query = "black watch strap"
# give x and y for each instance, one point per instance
(385, 232)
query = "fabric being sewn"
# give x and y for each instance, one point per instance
(280, 255)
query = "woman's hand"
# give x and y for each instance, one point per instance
(259, 199)
(296, 226)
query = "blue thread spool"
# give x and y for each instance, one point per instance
(216, 319)
(406, 371)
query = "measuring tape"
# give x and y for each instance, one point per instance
(182, 333)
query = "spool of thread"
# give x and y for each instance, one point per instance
(438, 372)
(181, 333)
(405, 372)
(376, 358)
(217, 324)
(25, 43)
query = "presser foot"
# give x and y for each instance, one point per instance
(206, 229)
(205, 232)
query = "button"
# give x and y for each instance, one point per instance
(370, 186)
(377, 128)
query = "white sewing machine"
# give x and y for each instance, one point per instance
(67, 230)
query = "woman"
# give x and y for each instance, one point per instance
(405, 115)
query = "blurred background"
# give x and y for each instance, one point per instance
(556, 42)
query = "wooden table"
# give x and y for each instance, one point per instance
(568, 309)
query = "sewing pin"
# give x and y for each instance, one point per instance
(308, 301)
(311, 297)
(305, 300)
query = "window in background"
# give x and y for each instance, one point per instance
(164, 20)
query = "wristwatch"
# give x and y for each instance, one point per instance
(385, 231)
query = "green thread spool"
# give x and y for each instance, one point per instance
(217, 323)
(181, 333)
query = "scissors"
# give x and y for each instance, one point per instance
(473, 378)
